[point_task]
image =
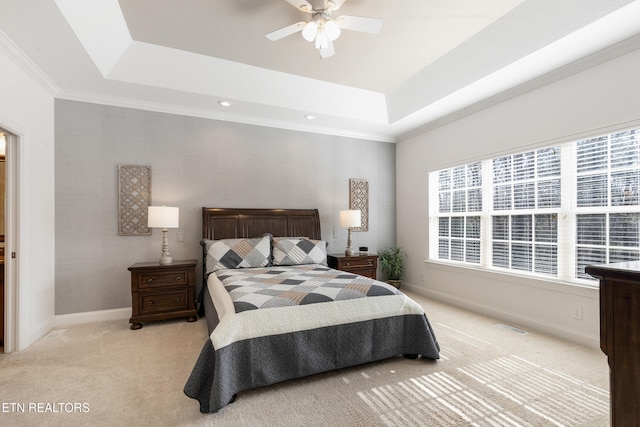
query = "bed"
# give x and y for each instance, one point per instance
(276, 312)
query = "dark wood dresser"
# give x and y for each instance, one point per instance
(160, 292)
(364, 265)
(620, 336)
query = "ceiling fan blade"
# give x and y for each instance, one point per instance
(302, 5)
(286, 31)
(358, 23)
(327, 51)
(334, 4)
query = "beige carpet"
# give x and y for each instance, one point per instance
(489, 375)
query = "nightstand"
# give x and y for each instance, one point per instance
(160, 292)
(365, 265)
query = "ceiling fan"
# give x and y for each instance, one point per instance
(323, 28)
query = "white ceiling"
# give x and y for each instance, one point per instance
(433, 59)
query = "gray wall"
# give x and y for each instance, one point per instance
(194, 163)
(596, 101)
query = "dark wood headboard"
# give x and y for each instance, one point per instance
(231, 223)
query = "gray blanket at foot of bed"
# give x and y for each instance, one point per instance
(242, 365)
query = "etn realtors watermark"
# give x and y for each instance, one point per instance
(45, 407)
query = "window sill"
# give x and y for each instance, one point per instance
(582, 288)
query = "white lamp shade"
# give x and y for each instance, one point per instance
(322, 41)
(163, 217)
(309, 31)
(332, 30)
(350, 218)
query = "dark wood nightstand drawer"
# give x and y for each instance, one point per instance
(353, 262)
(157, 279)
(364, 265)
(154, 303)
(363, 271)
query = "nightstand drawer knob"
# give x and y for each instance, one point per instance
(150, 302)
(177, 299)
(149, 280)
(348, 264)
(370, 263)
(178, 278)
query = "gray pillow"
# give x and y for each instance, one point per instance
(237, 253)
(298, 251)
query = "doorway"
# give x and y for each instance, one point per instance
(3, 145)
(8, 236)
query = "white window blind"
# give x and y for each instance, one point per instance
(459, 202)
(526, 200)
(607, 200)
(549, 212)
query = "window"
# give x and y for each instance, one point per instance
(607, 200)
(526, 200)
(459, 202)
(548, 212)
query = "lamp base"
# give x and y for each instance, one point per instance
(349, 251)
(165, 258)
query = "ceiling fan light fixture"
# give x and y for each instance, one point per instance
(332, 30)
(322, 28)
(310, 30)
(322, 40)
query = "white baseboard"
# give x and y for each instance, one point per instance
(64, 320)
(36, 333)
(564, 333)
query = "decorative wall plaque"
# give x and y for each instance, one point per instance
(134, 197)
(359, 199)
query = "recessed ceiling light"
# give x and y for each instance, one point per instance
(224, 103)
(309, 117)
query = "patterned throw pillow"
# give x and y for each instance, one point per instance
(237, 253)
(298, 251)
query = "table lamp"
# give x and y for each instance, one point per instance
(164, 217)
(350, 219)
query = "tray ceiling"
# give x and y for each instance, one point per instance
(432, 59)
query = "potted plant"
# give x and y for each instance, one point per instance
(392, 264)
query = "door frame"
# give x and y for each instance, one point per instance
(11, 210)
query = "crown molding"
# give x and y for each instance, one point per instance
(138, 104)
(22, 60)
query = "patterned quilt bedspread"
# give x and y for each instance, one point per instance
(274, 324)
(253, 288)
